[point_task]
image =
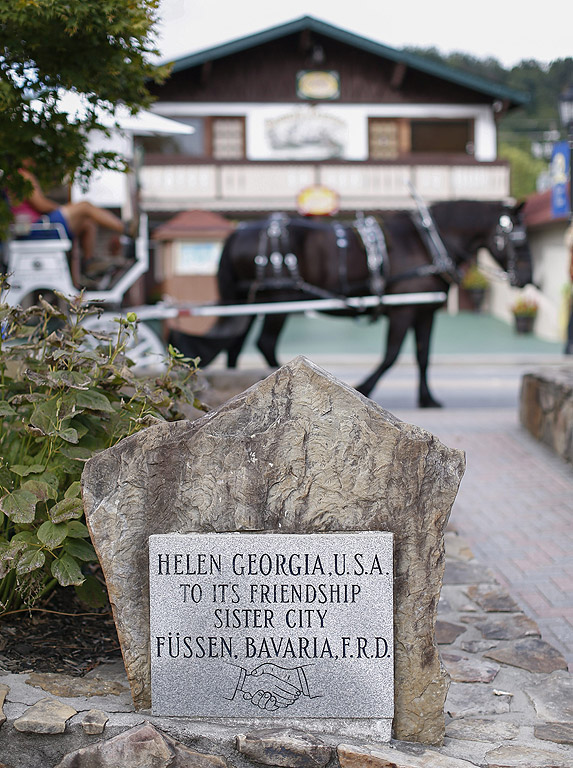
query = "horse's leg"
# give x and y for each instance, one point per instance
(236, 345)
(423, 329)
(400, 320)
(269, 336)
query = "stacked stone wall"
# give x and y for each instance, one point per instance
(546, 408)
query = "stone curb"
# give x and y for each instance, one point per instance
(510, 705)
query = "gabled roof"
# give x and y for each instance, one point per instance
(459, 77)
(194, 223)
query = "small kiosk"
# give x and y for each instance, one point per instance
(189, 249)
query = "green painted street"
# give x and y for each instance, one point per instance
(464, 334)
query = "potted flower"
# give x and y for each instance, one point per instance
(524, 310)
(475, 284)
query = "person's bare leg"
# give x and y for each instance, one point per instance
(87, 238)
(76, 215)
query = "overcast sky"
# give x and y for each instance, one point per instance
(507, 30)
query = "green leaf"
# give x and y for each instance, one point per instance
(81, 549)
(40, 379)
(91, 354)
(70, 435)
(49, 478)
(77, 530)
(28, 537)
(6, 409)
(9, 555)
(74, 490)
(6, 479)
(76, 452)
(93, 401)
(52, 534)
(19, 506)
(30, 561)
(71, 379)
(92, 593)
(24, 471)
(66, 509)
(81, 428)
(41, 490)
(67, 571)
(44, 417)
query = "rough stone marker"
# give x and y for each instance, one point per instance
(274, 624)
(298, 453)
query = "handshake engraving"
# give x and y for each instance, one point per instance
(271, 687)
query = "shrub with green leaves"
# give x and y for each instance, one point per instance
(65, 394)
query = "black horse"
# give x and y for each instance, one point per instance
(289, 259)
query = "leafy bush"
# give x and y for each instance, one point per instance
(65, 394)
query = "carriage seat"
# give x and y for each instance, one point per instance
(37, 260)
(43, 229)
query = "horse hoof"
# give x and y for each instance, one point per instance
(364, 390)
(430, 403)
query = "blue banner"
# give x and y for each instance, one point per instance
(560, 170)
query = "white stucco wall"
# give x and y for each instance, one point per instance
(351, 119)
(550, 274)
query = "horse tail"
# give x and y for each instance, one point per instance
(226, 278)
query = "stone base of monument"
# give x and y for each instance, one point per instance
(509, 704)
(546, 408)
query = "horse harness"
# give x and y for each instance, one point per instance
(442, 263)
(374, 243)
(507, 236)
(277, 268)
(270, 269)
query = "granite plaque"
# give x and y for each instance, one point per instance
(273, 625)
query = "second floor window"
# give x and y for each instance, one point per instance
(221, 138)
(391, 139)
(383, 139)
(447, 136)
(228, 138)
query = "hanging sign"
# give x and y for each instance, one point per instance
(560, 170)
(317, 200)
(317, 85)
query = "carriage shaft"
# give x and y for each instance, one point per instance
(286, 307)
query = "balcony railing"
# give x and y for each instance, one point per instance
(275, 186)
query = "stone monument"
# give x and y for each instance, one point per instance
(298, 454)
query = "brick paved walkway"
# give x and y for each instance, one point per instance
(515, 509)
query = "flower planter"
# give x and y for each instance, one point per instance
(476, 296)
(524, 323)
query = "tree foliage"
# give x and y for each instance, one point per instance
(525, 169)
(102, 49)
